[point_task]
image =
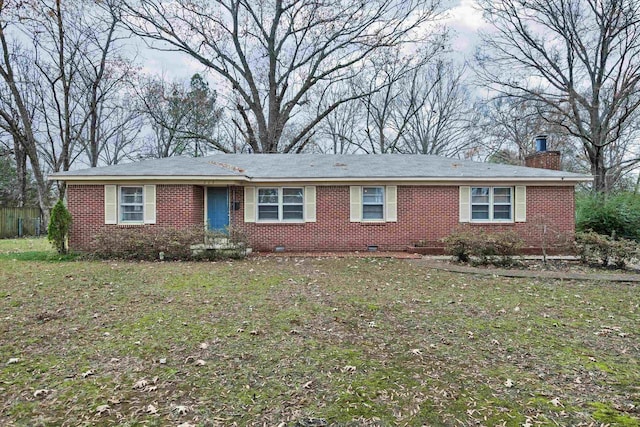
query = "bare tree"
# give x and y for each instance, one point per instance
(578, 58)
(274, 53)
(510, 126)
(342, 129)
(183, 118)
(440, 124)
(15, 111)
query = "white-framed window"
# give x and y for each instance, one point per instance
(372, 203)
(131, 204)
(491, 204)
(280, 204)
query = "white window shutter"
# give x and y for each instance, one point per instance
(110, 204)
(149, 204)
(391, 203)
(465, 204)
(355, 211)
(521, 203)
(310, 204)
(249, 204)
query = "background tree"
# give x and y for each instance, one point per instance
(510, 126)
(441, 122)
(61, 79)
(275, 54)
(183, 119)
(580, 59)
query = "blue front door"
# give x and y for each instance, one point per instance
(217, 208)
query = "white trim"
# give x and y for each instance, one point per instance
(110, 204)
(280, 204)
(491, 205)
(250, 208)
(464, 204)
(212, 180)
(384, 204)
(310, 203)
(355, 203)
(149, 204)
(120, 220)
(520, 209)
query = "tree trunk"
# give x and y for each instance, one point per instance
(21, 171)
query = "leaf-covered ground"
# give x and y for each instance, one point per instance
(277, 341)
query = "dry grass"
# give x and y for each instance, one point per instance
(271, 340)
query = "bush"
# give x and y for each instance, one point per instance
(612, 215)
(166, 243)
(481, 247)
(594, 248)
(59, 224)
(459, 244)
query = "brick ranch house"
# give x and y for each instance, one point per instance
(317, 202)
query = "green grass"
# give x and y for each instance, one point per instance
(353, 341)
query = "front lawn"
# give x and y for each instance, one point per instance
(304, 340)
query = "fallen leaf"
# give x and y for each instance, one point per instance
(140, 384)
(180, 410)
(88, 373)
(508, 383)
(40, 392)
(556, 402)
(200, 362)
(102, 409)
(152, 409)
(163, 361)
(203, 346)
(13, 360)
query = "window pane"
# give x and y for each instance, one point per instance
(292, 212)
(502, 195)
(131, 206)
(292, 195)
(372, 212)
(502, 212)
(268, 195)
(372, 195)
(480, 195)
(131, 195)
(132, 216)
(268, 212)
(480, 212)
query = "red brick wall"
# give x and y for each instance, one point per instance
(176, 206)
(424, 213)
(544, 160)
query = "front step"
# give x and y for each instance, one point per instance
(219, 244)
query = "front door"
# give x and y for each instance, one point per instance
(217, 208)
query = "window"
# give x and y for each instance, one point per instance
(372, 203)
(131, 204)
(280, 204)
(491, 204)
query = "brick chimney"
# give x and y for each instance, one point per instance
(543, 159)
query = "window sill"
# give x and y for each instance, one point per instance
(492, 222)
(373, 222)
(280, 222)
(130, 224)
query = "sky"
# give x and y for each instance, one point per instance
(462, 18)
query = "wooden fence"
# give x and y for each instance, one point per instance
(18, 222)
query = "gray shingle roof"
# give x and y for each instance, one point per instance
(258, 167)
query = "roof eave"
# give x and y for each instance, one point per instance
(146, 178)
(566, 179)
